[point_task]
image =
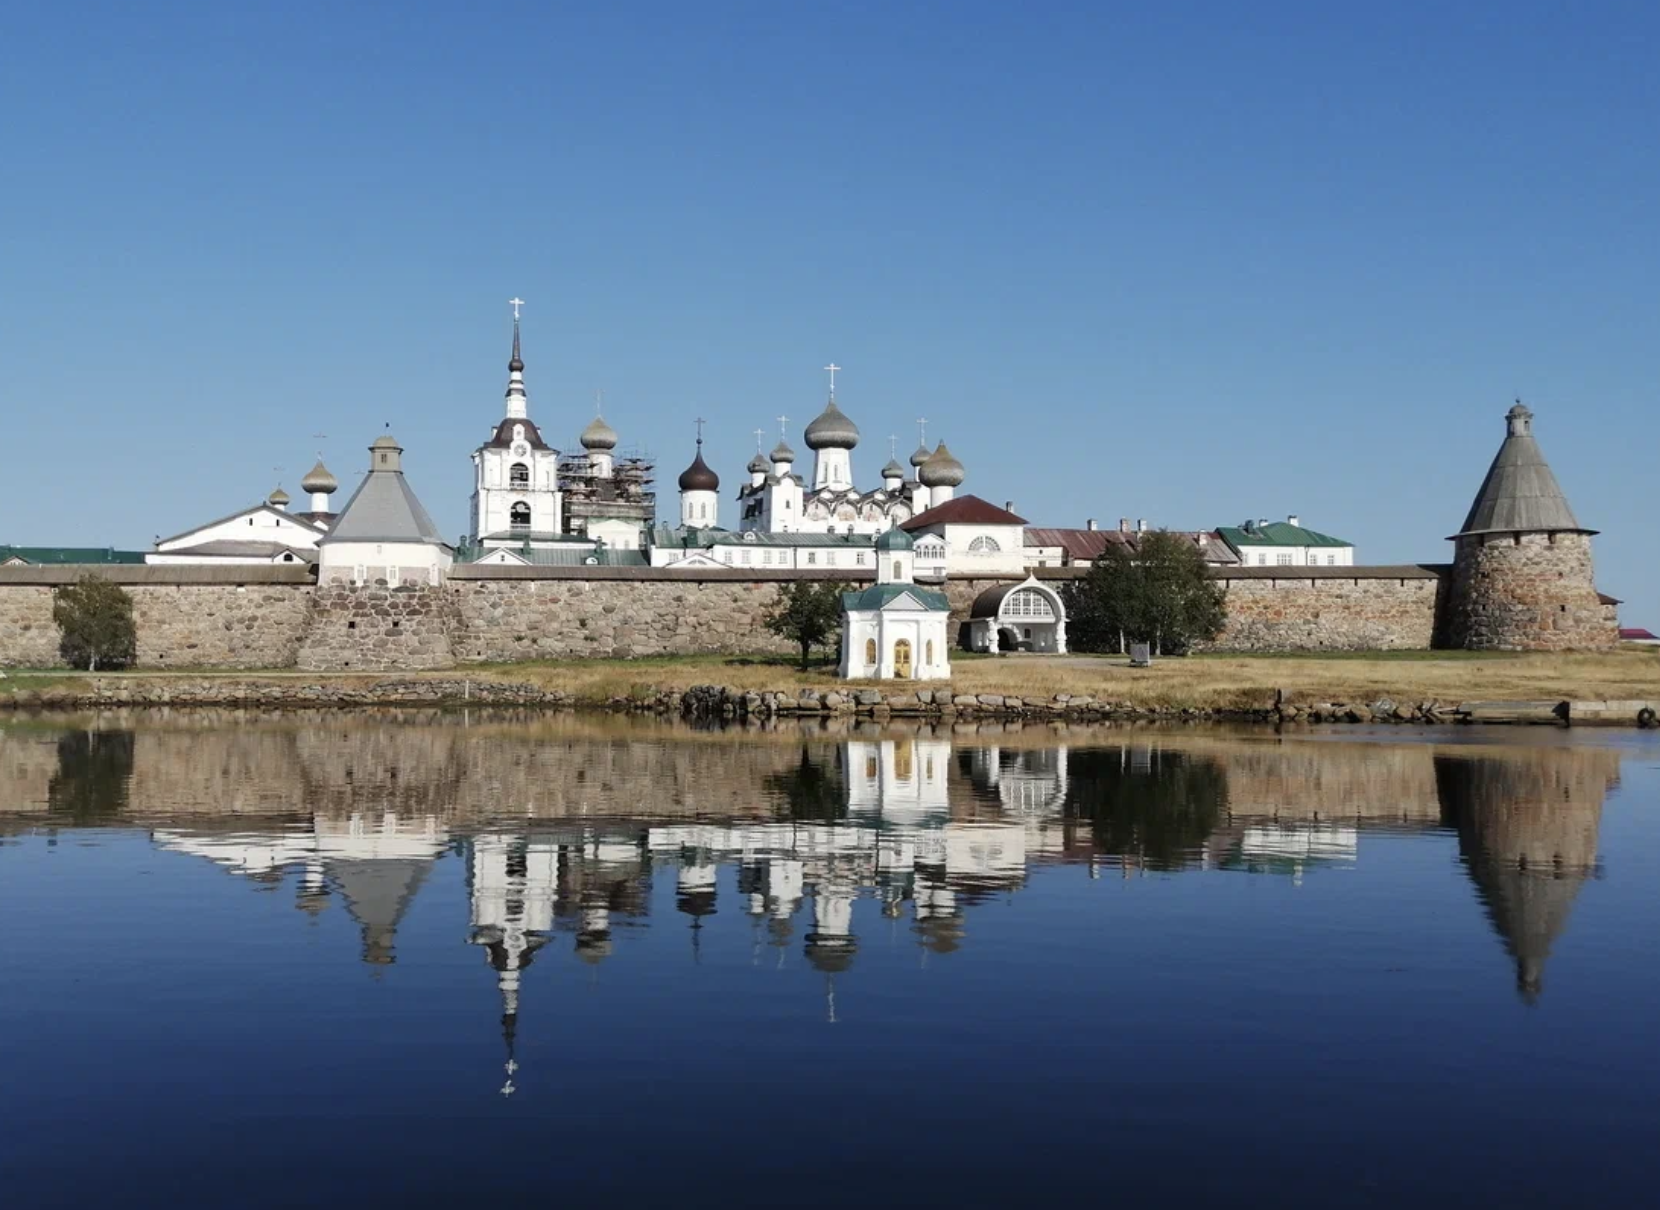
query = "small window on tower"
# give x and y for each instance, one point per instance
(518, 475)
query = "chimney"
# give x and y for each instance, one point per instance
(1123, 525)
(1008, 506)
(1140, 526)
(1090, 525)
(1292, 520)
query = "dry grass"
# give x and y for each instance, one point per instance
(1197, 681)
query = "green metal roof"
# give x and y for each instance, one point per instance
(879, 596)
(37, 556)
(1276, 533)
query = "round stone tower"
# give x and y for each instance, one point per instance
(1522, 578)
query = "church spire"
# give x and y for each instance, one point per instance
(517, 406)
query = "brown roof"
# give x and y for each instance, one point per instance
(1087, 545)
(963, 510)
(502, 438)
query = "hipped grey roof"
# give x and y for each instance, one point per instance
(384, 508)
(1520, 493)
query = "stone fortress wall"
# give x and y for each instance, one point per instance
(1531, 591)
(276, 617)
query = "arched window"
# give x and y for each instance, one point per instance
(1030, 604)
(519, 515)
(984, 546)
(898, 570)
(870, 651)
(928, 654)
(518, 475)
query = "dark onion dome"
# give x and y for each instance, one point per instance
(278, 498)
(895, 539)
(942, 469)
(893, 470)
(318, 479)
(759, 465)
(832, 430)
(782, 452)
(599, 435)
(698, 477)
(921, 455)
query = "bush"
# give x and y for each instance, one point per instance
(95, 622)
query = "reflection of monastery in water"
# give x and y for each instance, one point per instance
(791, 836)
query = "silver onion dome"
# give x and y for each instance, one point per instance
(942, 469)
(921, 454)
(318, 479)
(759, 465)
(782, 452)
(832, 430)
(893, 470)
(599, 435)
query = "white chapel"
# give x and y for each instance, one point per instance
(896, 630)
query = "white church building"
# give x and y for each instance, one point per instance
(895, 630)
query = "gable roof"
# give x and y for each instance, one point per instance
(963, 510)
(880, 596)
(1276, 533)
(1519, 492)
(301, 520)
(384, 508)
(36, 556)
(1088, 545)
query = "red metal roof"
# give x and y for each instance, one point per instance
(963, 510)
(1637, 633)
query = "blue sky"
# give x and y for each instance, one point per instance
(1192, 262)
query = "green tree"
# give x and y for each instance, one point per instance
(807, 613)
(1162, 593)
(95, 624)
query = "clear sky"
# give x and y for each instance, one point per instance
(1190, 262)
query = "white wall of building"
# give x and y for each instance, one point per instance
(1297, 556)
(407, 563)
(495, 492)
(260, 523)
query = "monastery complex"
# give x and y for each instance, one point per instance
(565, 555)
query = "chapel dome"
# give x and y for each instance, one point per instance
(599, 435)
(895, 539)
(698, 477)
(759, 465)
(942, 469)
(832, 430)
(920, 455)
(893, 470)
(278, 498)
(782, 452)
(318, 479)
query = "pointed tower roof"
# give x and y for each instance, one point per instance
(384, 508)
(1520, 494)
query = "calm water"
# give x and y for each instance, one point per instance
(439, 960)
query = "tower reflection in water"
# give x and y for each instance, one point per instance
(800, 832)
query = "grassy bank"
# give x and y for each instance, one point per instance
(1212, 681)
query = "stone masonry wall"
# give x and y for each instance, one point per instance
(188, 625)
(1330, 614)
(1526, 592)
(378, 629)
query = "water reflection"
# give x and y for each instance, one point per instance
(564, 830)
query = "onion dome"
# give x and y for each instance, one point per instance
(942, 469)
(893, 470)
(895, 539)
(698, 477)
(782, 452)
(318, 479)
(599, 435)
(759, 465)
(277, 498)
(832, 430)
(921, 455)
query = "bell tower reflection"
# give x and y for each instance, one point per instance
(1527, 826)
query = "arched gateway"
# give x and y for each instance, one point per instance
(1027, 616)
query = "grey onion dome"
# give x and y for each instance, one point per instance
(893, 470)
(599, 435)
(782, 452)
(759, 465)
(699, 477)
(318, 479)
(277, 497)
(832, 430)
(942, 469)
(921, 455)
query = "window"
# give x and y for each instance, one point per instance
(1029, 603)
(812, 556)
(859, 558)
(1282, 560)
(358, 574)
(518, 475)
(518, 517)
(870, 651)
(1262, 560)
(392, 579)
(898, 570)
(984, 546)
(1331, 560)
(743, 556)
(928, 658)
